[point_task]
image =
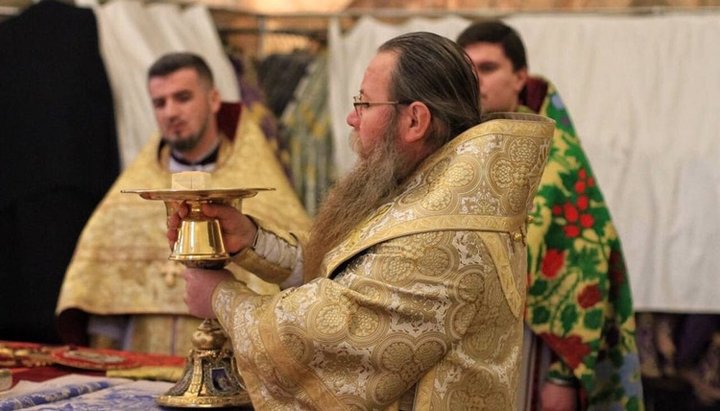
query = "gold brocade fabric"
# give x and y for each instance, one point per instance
(121, 265)
(424, 298)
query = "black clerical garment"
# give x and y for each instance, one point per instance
(58, 156)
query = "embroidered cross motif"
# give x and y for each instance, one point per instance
(170, 270)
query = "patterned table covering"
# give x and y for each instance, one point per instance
(82, 392)
(39, 382)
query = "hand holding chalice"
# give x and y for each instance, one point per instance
(203, 234)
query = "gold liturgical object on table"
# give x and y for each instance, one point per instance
(210, 379)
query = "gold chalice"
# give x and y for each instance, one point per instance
(210, 379)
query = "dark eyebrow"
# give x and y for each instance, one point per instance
(183, 93)
(487, 64)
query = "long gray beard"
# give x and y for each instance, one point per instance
(373, 182)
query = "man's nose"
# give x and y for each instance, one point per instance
(170, 109)
(352, 119)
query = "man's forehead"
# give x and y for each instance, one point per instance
(378, 72)
(183, 80)
(162, 94)
(485, 51)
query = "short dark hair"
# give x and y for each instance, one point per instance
(495, 31)
(172, 62)
(436, 71)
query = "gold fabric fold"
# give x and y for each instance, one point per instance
(149, 372)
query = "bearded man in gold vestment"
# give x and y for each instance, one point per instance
(120, 288)
(409, 292)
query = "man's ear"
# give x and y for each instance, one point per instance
(521, 77)
(418, 121)
(215, 100)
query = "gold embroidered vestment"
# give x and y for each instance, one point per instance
(424, 300)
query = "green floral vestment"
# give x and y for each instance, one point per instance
(579, 299)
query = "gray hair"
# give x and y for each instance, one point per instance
(436, 71)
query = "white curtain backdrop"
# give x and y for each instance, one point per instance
(132, 36)
(642, 92)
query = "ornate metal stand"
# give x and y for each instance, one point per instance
(209, 379)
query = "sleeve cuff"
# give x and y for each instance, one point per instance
(256, 264)
(560, 374)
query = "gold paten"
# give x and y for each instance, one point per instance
(199, 243)
(210, 378)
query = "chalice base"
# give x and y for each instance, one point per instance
(210, 379)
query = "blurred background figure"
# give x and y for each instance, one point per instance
(120, 289)
(582, 351)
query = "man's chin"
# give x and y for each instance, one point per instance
(356, 146)
(180, 144)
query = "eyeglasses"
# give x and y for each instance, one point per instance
(361, 105)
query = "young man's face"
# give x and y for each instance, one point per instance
(183, 106)
(500, 84)
(370, 123)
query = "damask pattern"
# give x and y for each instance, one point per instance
(427, 300)
(377, 330)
